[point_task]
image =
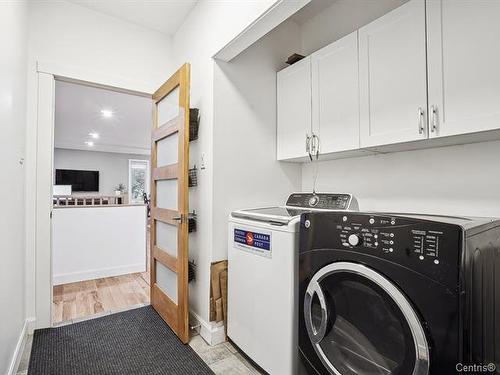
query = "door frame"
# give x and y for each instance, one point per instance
(39, 173)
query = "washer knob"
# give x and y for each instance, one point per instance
(354, 239)
(313, 201)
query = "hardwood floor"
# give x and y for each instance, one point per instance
(86, 298)
(101, 296)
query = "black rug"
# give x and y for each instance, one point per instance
(132, 342)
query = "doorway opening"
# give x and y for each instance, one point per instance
(100, 198)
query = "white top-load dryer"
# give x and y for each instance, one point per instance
(262, 277)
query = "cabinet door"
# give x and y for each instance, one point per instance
(464, 66)
(392, 69)
(335, 95)
(294, 109)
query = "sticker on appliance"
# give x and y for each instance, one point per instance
(254, 242)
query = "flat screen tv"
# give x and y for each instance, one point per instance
(79, 180)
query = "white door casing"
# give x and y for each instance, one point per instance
(43, 197)
(40, 170)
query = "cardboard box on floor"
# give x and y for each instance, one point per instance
(218, 291)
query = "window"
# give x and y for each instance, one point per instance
(138, 180)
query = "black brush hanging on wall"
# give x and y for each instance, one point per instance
(194, 123)
(193, 177)
(191, 271)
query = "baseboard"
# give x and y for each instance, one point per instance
(18, 352)
(212, 332)
(97, 274)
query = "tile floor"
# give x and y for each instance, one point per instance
(223, 359)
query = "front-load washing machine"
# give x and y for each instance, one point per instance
(398, 294)
(262, 264)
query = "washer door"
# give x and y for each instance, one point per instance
(360, 323)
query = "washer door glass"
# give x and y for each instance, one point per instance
(357, 326)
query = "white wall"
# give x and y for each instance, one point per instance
(71, 35)
(81, 40)
(208, 28)
(455, 180)
(13, 26)
(340, 19)
(95, 242)
(112, 166)
(246, 172)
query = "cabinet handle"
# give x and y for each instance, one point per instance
(420, 120)
(434, 122)
(308, 145)
(315, 146)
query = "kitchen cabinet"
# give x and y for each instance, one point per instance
(464, 66)
(424, 75)
(335, 95)
(392, 73)
(294, 109)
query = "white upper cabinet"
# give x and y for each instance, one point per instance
(392, 73)
(294, 109)
(335, 95)
(464, 66)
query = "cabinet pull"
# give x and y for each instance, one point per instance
(434, 122)
(420, 120)
(308, 145)
(315, 146)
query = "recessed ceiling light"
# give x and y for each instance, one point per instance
(89, 143)
(106, 113)
(94, 135)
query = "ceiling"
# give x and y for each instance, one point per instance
(78, 113)
(165, 16)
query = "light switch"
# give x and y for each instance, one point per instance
(202, 163)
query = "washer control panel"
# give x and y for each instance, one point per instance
(324, 201)
(428, 247)
(372, 232)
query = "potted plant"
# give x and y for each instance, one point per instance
(120, 189)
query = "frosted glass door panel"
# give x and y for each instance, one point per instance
(168, 107)
(168, 150)
(166, 194)
(166, 238)
(166, 281)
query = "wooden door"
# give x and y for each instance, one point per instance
(294, 109)
(392, 74)
(463, 64)
(169, 202)
(335, 95)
